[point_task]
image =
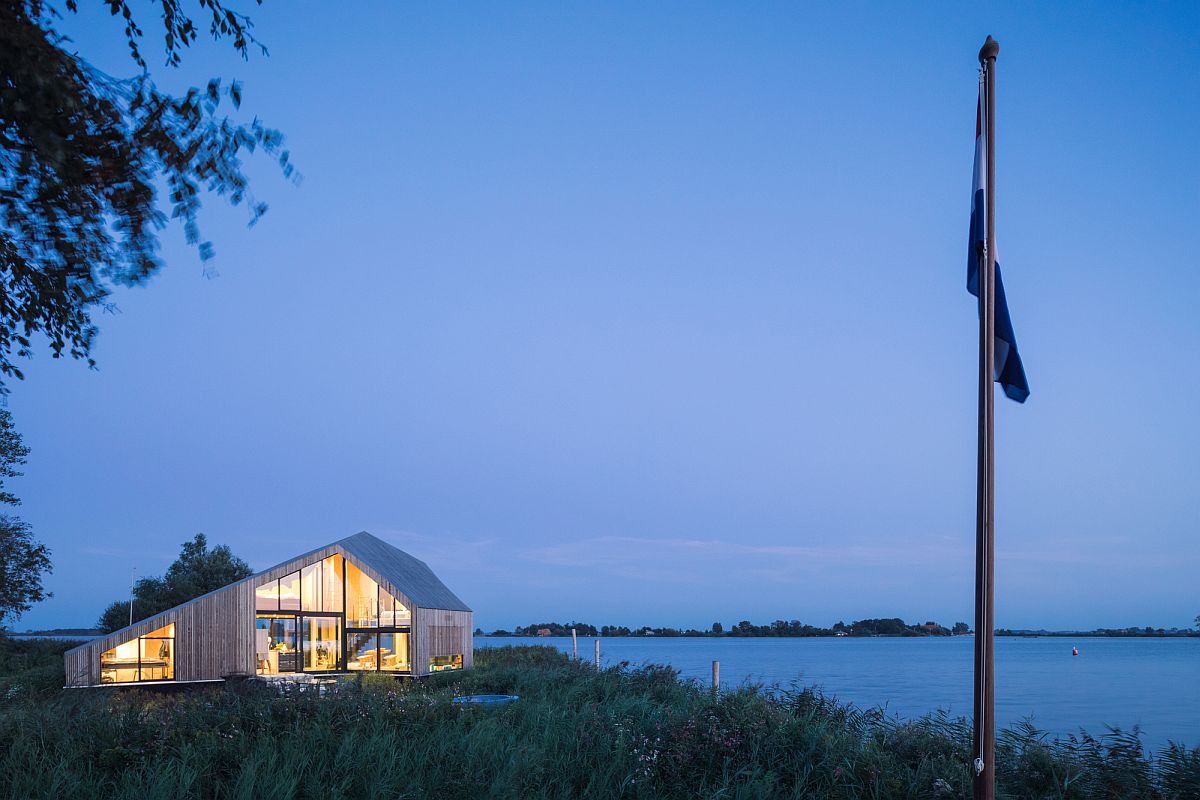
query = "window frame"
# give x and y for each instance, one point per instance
(341, 616)
(139, 640)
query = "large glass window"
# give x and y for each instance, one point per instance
(158, 658)
(440, 663)
(289, 592)
(296, 628)
(310, 587)
(331, 583)
(322, 643)
(266, 597)
(393, 652)
(146, 658)
(276, 644)
(392, 613)
(362, 599)
(362, 651)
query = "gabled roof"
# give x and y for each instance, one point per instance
(408, 574)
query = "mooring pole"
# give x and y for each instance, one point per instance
(984, 733)
(716, 687)
(574, 646)
(597, 655)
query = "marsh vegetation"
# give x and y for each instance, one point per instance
(624, 732)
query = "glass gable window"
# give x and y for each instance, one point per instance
(316, 587)
(146, 658)
(289, 592)
(392, 613)
(266, 597)
(310, 587)
(331, 583)
(362, 599)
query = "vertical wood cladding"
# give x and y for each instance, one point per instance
(214, 634)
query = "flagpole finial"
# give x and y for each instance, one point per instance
(990, 49)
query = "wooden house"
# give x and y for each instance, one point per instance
(359, 604)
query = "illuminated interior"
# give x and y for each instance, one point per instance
(322, 644)
(328, 616)
(362, 599)
(394, 649)
(442, 663)
(145, 658)
(386, 651)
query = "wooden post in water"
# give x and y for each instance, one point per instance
(574, 646)
(597, 655)
(716, 677)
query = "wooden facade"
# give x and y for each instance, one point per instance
(215, 633)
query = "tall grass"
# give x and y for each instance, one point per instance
(619, 733)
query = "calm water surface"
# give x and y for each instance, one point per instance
(1154, 683)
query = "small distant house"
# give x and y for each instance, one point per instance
(356, 605)
(543, 632)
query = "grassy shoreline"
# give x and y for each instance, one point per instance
(619, 733)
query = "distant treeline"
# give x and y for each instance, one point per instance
(1146, 631)
(60, 632)
(745, 628)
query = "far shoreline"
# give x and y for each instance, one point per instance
(1004, 634)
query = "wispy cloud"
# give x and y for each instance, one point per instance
(674, 558)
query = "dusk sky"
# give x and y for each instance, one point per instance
(657, 315)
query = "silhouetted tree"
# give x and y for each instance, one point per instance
(197, 571)
(12, 455)
(23, 560)
(82, 155)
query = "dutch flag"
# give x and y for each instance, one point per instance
(1009, 372)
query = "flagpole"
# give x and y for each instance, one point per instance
(984, 736)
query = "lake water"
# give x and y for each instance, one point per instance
(1154, 683)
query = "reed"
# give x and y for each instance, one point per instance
(621, 732)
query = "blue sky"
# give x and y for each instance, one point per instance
(657, 315)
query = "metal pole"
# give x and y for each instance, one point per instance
(132, 581)
(984, 737)
(574, 646)
(597, 654)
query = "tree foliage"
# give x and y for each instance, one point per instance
(197, 571)
(82, 155)
(12, 455)
(23, 560)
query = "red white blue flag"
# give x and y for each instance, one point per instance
(1008, 370)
